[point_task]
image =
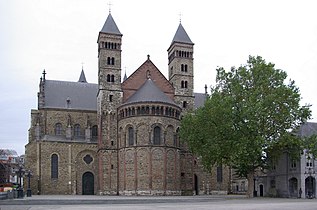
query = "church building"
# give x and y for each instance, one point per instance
(120, 136)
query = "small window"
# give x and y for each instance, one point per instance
(108, 78)
(184, 104)
(131, 136)
(185, 84)
(58, 129)
(77, 130)
(182, 84)
(219, 174)
(293, 164)
(94, 131)
(112, 61)
(157, 135)
(112, 78)
(108, 61)
(54, 166)
(110, 98)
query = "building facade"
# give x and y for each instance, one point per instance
(120, 137)
(290, 177)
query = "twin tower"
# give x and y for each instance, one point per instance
(139, 150)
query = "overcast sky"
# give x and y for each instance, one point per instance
(60, 35)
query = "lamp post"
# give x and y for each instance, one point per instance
(29, 191)
(20, 172)
(255, 193)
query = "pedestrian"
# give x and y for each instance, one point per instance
(300, 192)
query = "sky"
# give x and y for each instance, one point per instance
(61, 37)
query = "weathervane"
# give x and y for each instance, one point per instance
(82, 65)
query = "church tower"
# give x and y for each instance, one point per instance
(109, 98)
(181, 68)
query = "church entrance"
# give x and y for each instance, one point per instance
(88, 183)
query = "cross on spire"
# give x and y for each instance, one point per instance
(44, 75)
(82, 65)
(109, 5)
(180, 17)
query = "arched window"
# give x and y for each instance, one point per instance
(58, 129)
(157, 135)
(185, 84)
(108, 61)
(94, 131)
(54, 166)
(112, 61)
(131, 136)
(182, 84)
(108, 78)
(184, 104)
(77, 130)
(182, 67)
(185, 68)
(112, 78)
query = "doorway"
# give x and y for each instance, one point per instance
(196, 184)
(261, 190)
(310, 184)
(88, 183)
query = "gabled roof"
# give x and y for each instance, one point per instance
(137, 78)
(308, 129)
(181, 36)
(110, 27)
(149, 92)
(80, 95)
(82, 77)
(200, 99)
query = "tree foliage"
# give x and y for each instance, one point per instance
(250, 113)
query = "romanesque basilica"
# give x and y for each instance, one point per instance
(120, 136)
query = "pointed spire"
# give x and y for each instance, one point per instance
(110, 26)
(82, 77)
(125, 75)
(181, 35)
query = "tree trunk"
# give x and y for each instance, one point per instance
(251, 181)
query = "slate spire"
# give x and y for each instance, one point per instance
(110, 26)
(181, 35)
(82, 77)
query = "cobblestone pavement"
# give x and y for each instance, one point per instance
(148, 203)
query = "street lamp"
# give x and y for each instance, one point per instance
(29, 191)
(20, 172)
(255, 193)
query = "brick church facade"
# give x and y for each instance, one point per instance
(120, 136)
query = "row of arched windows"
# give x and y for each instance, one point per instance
(110, 61)
(77, 131)
(186, 54)
(109, 45)
(180, 53)
(157, 138)
(149, 110)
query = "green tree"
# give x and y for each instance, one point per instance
(250, 113)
